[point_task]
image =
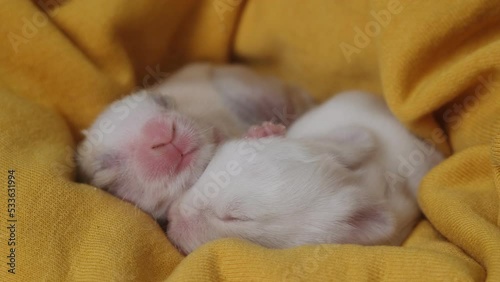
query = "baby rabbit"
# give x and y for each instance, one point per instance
(149, 147)
(340, 175)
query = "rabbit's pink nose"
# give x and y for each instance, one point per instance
(159, 132)
(164, 147)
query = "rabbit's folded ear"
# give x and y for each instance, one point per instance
(356, 144)
(254, 98)
(349, 146)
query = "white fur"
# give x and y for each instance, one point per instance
(328, 181)
(203, 101)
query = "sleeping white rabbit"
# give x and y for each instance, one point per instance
(346, 172)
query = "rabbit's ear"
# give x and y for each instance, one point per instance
(252, 97)
(349, 146)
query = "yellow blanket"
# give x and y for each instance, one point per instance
(62, 61)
